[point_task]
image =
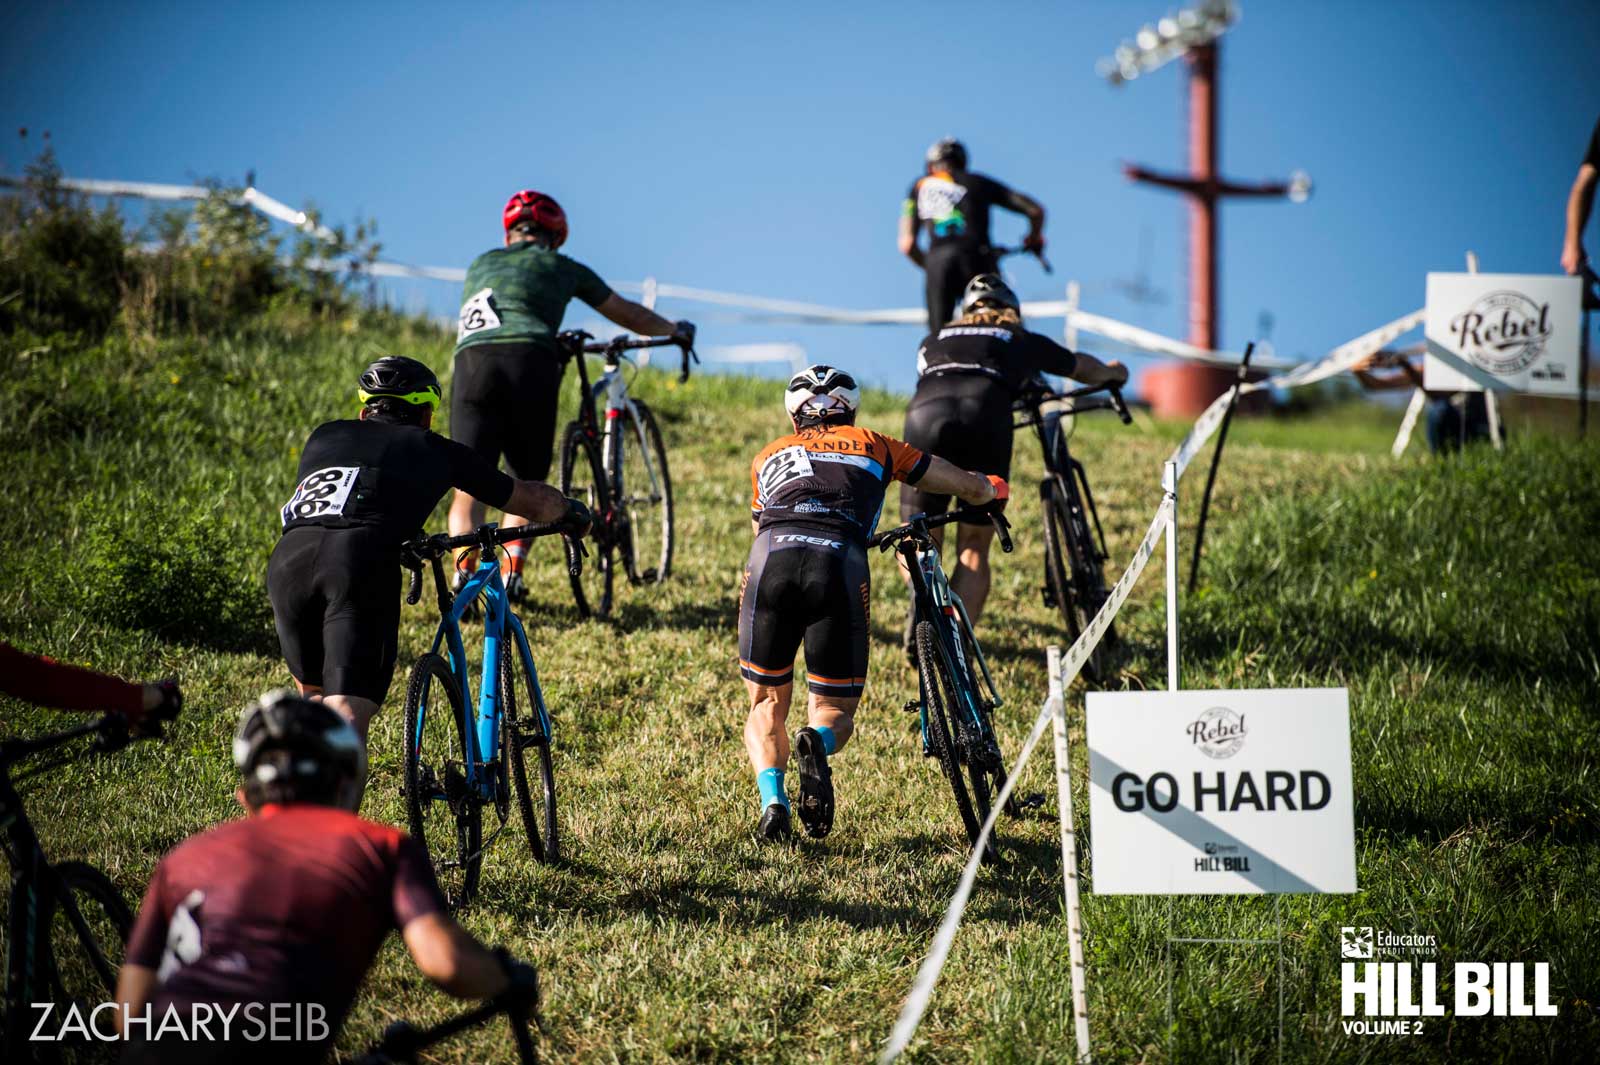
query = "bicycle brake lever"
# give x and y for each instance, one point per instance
(1120, 405)
(575, 553)
(414, 589)
(1002, 528)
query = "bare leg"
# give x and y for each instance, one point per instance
(971, 577)
(764, 737)
(837, 712)
(359, 713)
(466, 513)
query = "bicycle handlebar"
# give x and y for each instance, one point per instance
(578, 342)
(429, 548)
(921, 524)
(1001, 251)
(1028, 404)
(401, 1040)
(110, 730)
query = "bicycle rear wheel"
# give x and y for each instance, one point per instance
(582, 478)
(940, 703)
(647, 500)
(1072, 570)
(522, 727)
(441, 812)
(87, 923)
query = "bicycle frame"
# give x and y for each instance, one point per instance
(935, 599)
(498, 621)
(611, 389)
(1067, 471)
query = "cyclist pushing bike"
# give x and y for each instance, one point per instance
(288, 906)
(365, 486)
(816, 496)
(508, 364)
(953, 204)
(968, 375)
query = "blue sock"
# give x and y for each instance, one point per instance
(829, 744)
(770, 781)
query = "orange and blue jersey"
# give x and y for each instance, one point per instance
(831, 477)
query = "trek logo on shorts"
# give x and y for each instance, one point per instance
(815, 541)
(477, 314)
(321, 494)
(788, 464)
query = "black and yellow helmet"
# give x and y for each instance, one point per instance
(398, 377)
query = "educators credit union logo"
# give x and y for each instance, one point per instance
(1502, 332)
(1218, 732)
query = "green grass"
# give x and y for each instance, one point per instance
(1457, 601)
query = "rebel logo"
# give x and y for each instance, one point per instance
(1503, 332)
(1218, 732)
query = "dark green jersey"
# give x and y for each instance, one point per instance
(520, 293)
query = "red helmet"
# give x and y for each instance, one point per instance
(539, 209)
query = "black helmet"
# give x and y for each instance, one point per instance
(397, 377)
(322, 746)
(989, 288)
(949, 151)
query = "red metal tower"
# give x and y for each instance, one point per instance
(1185, 389)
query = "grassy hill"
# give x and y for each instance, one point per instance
(1457, 601)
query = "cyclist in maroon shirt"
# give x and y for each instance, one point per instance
(288, 906)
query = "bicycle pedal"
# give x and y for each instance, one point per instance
(912, 706)
(648, 575)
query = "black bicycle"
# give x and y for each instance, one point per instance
(401, 1042)
(1074, 543)
(68, 924)
(632, 508)
(957, 697)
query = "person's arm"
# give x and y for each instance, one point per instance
(135, 985)
(1025, 205)
(1579, 203)
(446, 954)
(909, 227)
(136, 980)
(635, 317)
(1091, 371)
(46, 682)
(946, 478)
(1044, 355)
(480, 479)
(537, 500)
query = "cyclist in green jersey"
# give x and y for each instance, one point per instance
(508, 366)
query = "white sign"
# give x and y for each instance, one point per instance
(1512, 331)
(1221, 792)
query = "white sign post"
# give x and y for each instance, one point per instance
(1221, 792)
(1507, 332)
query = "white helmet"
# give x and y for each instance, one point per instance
(818, 391)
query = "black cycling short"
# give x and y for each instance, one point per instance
(336, 601)
(805, 585)
(503, 402)
(965, 419)
(947, 269)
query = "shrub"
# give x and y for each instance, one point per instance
(178, 578)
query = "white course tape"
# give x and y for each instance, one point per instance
(916, 1003)
(1419, 399)
(1069, 859)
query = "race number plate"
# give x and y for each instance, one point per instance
(783, 467)
(477, 314)
(321, 494)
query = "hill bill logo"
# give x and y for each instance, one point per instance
(1218, 732)
(1503, 332)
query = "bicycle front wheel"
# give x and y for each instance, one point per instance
(522, 725)
(87, 922)
(940, 704)
(441, 811)
(647, 499)
(582, 478)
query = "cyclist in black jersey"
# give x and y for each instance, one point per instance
(508, 366)
(968, 375)
(366, 485)
(953, 204)
(815, 498)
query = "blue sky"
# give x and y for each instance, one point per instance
(765, 148)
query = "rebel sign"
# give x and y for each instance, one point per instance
(1221, 792)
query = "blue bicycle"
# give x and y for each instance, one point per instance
(458, 761)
